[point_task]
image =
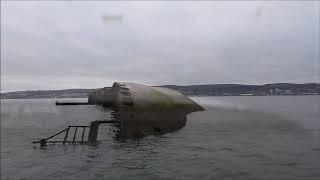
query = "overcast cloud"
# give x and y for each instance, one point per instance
(58, 45)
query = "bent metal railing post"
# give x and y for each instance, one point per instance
(93, 133)
(66, 136)
(84, 129)
(75, 135)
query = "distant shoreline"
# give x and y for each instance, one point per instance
(277, 89)
(188, 96)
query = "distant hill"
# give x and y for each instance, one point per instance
(240, 89)
(67, 93)
(191, 90)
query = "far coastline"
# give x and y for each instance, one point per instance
(275, 89)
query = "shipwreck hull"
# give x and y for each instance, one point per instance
(144, 110)
(139, 110)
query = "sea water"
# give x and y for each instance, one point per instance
(247, 137)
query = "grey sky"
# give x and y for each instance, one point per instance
(58, 45)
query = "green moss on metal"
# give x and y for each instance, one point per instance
(161, 101)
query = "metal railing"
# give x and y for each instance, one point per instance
(44, 141)
(92, 135)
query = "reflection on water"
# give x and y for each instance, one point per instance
(220, 143)
(138, 124)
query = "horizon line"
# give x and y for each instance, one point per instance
(162, 85)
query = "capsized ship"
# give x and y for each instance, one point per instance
(141, 110)
(144, 109)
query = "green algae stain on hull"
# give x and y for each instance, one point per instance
(142, 97)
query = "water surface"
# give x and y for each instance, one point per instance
(235, 138)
